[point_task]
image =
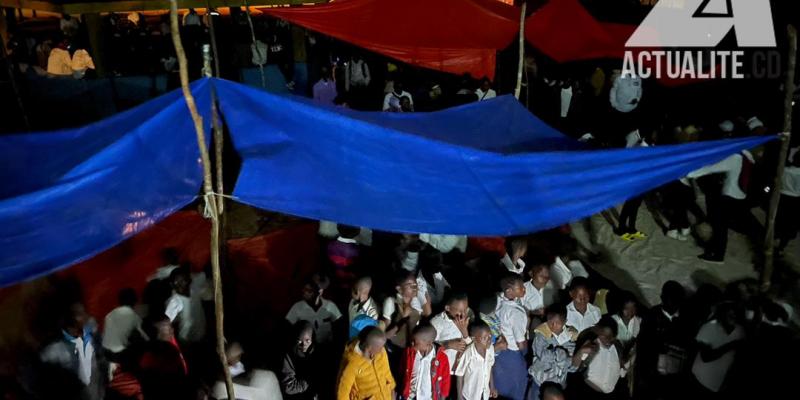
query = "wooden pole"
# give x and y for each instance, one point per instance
(210, 202)
(213, 35)
(788, 88)
(255, 46)
(521, 62)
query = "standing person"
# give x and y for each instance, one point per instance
(732, 205)
(662, 350)
(487, 309)
(581, 313)
(299, 372)
(361, 302)
(533, 302)
(452, 327)
(320, 312)
(399, 316)
(162, 367)
(516, 249)
(256, 384)
(510, 370)
(604, 364)
(553, 348)
(324, 91)
(73, 357)
(630, 210)
(432, 283)
(183, 310)
(191, 18)
(717, 343)
(426, 367)
(788, 220)
(485, 91)
(357, 75)
(121, 323)
(628, 321)
(474, 370)
(392, 100)
(365, 372)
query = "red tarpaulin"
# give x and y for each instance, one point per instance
(565, 31)
(456, 36)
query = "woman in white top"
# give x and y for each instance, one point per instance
(788, 220)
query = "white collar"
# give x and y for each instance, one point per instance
(668, 315)
(345, 240)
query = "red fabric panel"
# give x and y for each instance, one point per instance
(457, 36)
(565, 31)
(129, 263)
(269, 271)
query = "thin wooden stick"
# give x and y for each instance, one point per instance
(518, 88)
(788, 88)
(213, 35)
(255, 46)
(211, 204)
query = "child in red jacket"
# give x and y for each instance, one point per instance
(427, 370)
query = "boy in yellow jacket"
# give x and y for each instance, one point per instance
(365, 373)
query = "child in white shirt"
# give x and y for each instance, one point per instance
(474, 370)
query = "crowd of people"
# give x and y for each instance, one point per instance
(433, 317)
(389, 316)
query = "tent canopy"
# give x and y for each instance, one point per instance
(486, 168)
(457, 36)
(71, 194)
(379, 170)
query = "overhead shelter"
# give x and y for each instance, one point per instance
(486, 168)
(456, 36)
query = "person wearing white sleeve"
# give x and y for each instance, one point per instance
(121, 323)
(732, 205)
(322, 313)
(451, 327)
(391, 102)
(534, 299)
(474, 371)
(485, 91)
(581, 313)
(717, 342)
(510, 371)
(788, 218)
(183, 310)
(516, 249)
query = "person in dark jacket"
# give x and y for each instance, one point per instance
(297, 374)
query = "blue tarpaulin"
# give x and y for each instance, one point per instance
(68, 195)
(444, 172)
(486, 168)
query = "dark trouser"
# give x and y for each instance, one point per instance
(579, 389)
(730, 213)
(681, 199)
(510, 375)
(627, 217)
(787, 222)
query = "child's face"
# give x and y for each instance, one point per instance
(580, 297)
(361, 292)
(458, 309)
(423, 345)
(309, 294)
(516, 292)
(305, 341)
(482, 338)
(606, 337)
(629, 311)
(556, 324)
(182, 283)
(408, 289)
(540, 277)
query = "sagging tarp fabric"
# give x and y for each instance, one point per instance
(456, 36)
(68, 195)
(486, 168)
(385, 171)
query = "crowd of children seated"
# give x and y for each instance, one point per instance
(409, 333)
